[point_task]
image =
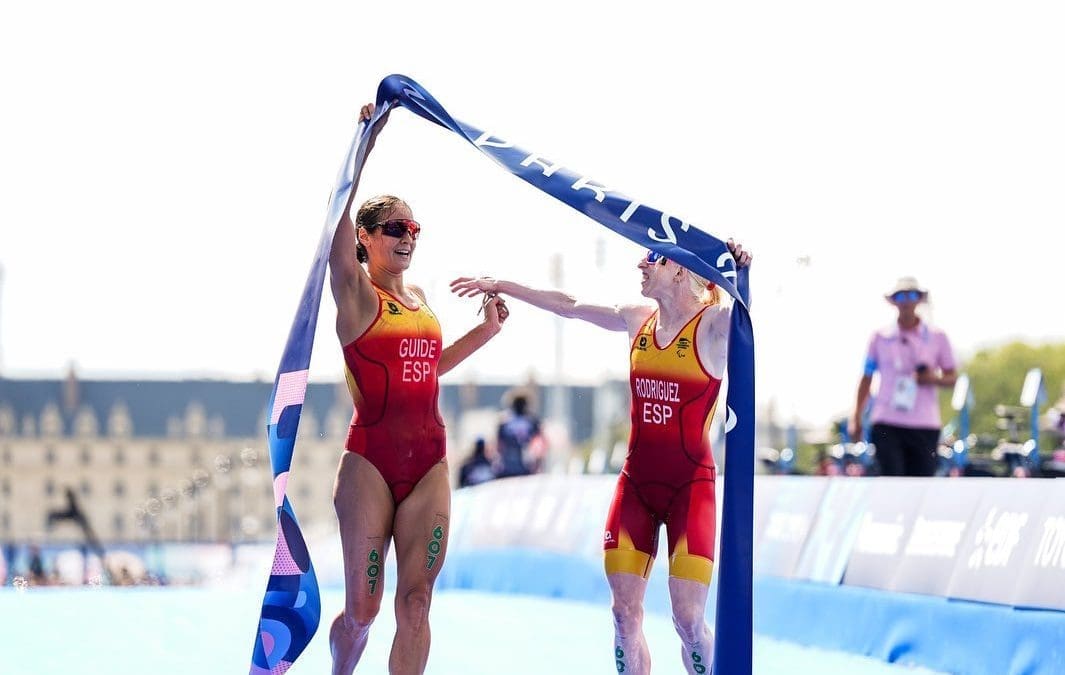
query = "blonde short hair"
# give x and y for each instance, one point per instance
(706, 292)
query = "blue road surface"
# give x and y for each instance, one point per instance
(157, 631)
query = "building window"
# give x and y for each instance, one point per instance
(7, 455)
(85, 423)
(86, 455)
(119, 524)
(7, 421)
(153, 490)
(153, 457)
(120, 456)
(49, 488)
(51, 420)
(195, 420)
(86, 488)
(120, 488)
(5, 488)
(5, 521)
(49, 455)
(119, 424)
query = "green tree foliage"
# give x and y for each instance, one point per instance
(997, 375)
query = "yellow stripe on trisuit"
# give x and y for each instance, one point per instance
(625, 558)
(693, 567)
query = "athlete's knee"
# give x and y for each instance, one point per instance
(412, 607)
(359, 617)
(628, 616)
(354, 623)
(690, 625)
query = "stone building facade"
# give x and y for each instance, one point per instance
(151, 460)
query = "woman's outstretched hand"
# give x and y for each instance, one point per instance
(467, 286)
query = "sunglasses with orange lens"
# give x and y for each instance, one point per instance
(397, 227)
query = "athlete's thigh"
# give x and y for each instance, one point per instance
(421, 530)
(365, 513)
(627, 589)
(691, 530)
(630, 540)
(688, 597)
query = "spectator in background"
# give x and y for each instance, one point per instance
(518, 434)
(477, 468)
(37, 575)
(914, 360)
(1054, 466)
(1057, 418)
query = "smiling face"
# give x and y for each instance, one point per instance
(383, 250)
(654, 277)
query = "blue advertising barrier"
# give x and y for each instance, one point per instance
(953, 636)
(987, 555)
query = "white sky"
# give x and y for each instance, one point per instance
(164, 172)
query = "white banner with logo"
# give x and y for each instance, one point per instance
(995, 540)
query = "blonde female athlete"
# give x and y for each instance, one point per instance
(677, 359)
(392, 483)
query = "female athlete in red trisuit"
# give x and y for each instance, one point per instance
(677, 359)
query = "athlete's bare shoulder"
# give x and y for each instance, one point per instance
(416, 291)
(719, 312)
(635, 316)
(712, 336)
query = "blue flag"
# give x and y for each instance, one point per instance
(292, 606)
(293, 610)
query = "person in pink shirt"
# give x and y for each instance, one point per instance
(913, 360)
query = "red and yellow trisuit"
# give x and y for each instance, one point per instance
(391, 372)
(669, 472)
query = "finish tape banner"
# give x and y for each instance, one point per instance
(292, 607)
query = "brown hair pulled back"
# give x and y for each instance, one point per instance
(372, 212)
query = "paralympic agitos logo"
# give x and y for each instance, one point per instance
(683, 344)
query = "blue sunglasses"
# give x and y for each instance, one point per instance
(653, 257)
(906, 296)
